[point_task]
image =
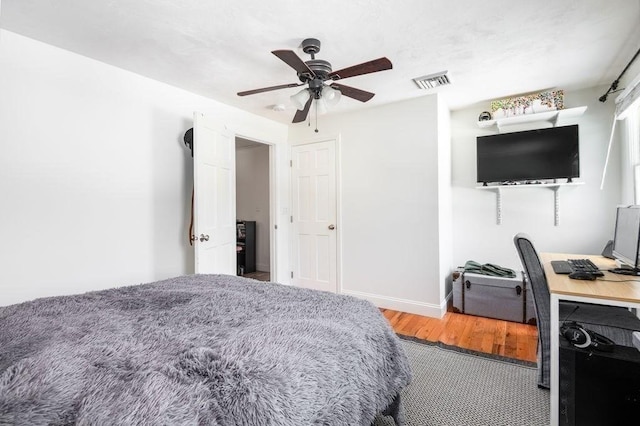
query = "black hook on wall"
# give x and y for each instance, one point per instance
(188, 139)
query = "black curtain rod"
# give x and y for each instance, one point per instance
(615, 83)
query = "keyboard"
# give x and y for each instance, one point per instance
(575, 265)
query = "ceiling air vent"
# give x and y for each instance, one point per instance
(432, 81)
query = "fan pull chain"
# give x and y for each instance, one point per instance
(316, 116)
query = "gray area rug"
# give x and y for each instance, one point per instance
(452, 388)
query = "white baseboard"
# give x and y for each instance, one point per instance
(262, 267)
(404, 305)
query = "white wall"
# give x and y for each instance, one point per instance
(389, 202)
(587, 214)
(94, 176)
(445, 201)
(252, 196)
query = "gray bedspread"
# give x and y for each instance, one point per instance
(198, 350)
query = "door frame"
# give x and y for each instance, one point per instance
(336, 138)
(276, 139)
(272, 203)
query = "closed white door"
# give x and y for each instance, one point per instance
(314, 216)
(215, 197)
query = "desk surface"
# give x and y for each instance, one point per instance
(624, 288)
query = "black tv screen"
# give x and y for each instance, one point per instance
(532, 155)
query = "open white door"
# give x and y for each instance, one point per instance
(215, 197)
(313, 169)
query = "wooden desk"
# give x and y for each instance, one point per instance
(612, 289)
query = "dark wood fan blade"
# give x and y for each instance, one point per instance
(290, 58)
(267, 89)
(302, 115)
(376, 65)
(352, 92)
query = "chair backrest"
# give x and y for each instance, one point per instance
(535, 273)
(541, 301)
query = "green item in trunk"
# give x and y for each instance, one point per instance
(488, 269)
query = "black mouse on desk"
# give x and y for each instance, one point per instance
(582, 275)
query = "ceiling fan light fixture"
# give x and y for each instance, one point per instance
(331, 96)
(321, 106)
(318, 75)
(300, 99)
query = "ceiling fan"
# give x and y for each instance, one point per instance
(315, 73)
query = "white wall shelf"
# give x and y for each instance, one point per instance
(553, 186)
(549, 116)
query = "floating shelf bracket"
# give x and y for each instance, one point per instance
(498, 192)
(555, 187)
(499, 206)
(556, 205)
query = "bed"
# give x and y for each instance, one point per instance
(199, 350)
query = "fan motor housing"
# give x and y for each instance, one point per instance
(320, 67)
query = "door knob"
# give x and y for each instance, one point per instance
(204, 237)
(332, 227)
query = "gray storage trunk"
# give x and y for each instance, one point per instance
(493, 297)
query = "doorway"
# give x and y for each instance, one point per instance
(253, 208)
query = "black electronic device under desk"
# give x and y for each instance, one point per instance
(246, 242)
(598, 388)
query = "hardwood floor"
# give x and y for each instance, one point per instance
(509, 339)
(497, 337)
(258, 275)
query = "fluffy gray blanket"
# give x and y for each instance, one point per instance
(198, 350)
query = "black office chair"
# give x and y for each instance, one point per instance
(613, 322)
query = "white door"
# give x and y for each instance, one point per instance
(314, 216)
(215, 197)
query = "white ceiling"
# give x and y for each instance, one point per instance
(491, 49)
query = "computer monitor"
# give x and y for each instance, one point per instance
(626, 239)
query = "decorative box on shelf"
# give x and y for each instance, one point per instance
(550, 116)
(546, 106)
(528, 104)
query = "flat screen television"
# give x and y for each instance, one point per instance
(531, 155)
